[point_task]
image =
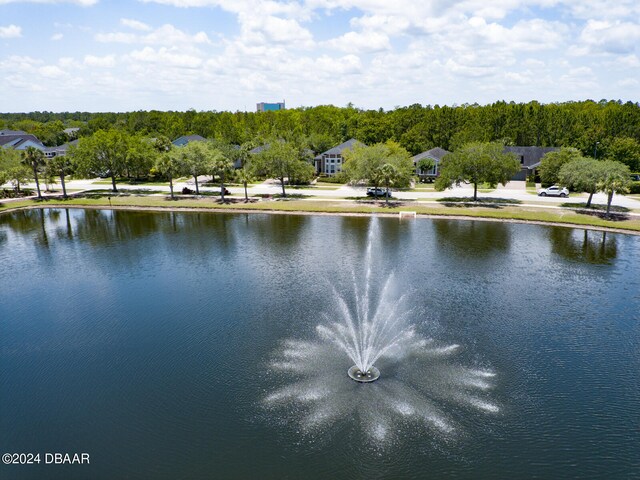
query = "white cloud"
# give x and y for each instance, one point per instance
(376, 53)
(108, 61)
(368, 41)
(51, 71)
(615, 37)
(10, 31)
(167, 57)
(57, 36)
(165, 35)
(628, 82)
(256, 29)
(135, 24)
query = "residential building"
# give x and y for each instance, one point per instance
(59, 151)
(269, 107)
(185, 139)
(331, 161)
(19, 140)
(435, 154)
(529, 158)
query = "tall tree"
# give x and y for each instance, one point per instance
(582, 175)
(171, 164)
(12, 168)
(34, 158)
(105, 153)
(552, 162)
(625, 150)
(614, 178)
(196, 157)
(244, 176)
(168, 162)
(477, 163)
(59, 166)
(221, 166)
(141, 156)
(367, 163)
(276, 161)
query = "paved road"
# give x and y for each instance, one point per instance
(512, 191)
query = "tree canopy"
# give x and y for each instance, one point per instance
(367, 164)
(552, 162)
(582, 175)
(477, 163)
(417, 128)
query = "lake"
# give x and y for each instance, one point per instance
(151, 341)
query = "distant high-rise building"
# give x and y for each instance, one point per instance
(270, 107)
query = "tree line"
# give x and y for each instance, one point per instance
(582, 125)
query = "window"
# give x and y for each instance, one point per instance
(521, 159)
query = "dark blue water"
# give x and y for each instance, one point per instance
(143, 339)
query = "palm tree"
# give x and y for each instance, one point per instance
(244, 176)
(220, 165)
(388, 174)
(59, 165)
(34, 158)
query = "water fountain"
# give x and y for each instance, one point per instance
(403, 378)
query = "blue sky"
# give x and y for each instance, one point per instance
(113, 55)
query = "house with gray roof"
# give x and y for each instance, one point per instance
(19, 140)
(59, 151)
(529, 158)
(331, 161)
(435, 154)
(185, 139)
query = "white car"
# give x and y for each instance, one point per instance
(554, 191)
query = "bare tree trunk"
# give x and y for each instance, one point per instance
(284, 194)
(246, 195)
(222, 188)
(171, 186)
(609, 198)
(35, 175)
(64, 187)
(113, 183)
(589, 201)
(475, 191)
(195, 177)
(387, 193)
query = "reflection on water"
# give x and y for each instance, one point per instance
(588, 246)
(473, 238)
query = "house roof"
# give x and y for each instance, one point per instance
(19, 140)
(435, 153)
(61, 148)
(337, 150)
(531, 156)
(183, 140)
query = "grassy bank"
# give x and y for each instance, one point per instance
(565, 216)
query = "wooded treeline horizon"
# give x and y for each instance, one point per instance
(579, 124)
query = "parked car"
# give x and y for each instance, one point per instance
(635, 177)
(377, 192)
(554, 191)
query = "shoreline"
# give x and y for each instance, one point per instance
(433, 216)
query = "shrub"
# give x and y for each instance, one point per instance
(634, 188)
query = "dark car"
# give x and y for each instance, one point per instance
(377, 192)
